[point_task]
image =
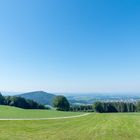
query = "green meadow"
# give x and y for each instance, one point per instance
(117, 126)
(13, 112)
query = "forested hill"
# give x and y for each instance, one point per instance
(39, 96)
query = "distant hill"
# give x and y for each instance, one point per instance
(39, 96)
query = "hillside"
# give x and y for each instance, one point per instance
(39, 96)
(14, 112)
(111, 126)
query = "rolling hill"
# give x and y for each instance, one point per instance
(95, 126)
(40, 97)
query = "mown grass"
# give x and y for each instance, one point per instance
(13, 112)
(117, 126)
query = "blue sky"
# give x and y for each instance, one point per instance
(70, 45)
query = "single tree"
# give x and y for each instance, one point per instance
(61, 103)
(98, 107)
(1, 99)
(138, 106)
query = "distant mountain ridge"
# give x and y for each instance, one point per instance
(39, 96)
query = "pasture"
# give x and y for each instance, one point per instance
(13, 112)
(117, 126)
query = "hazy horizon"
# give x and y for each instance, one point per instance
(8, 93)
(70, 46)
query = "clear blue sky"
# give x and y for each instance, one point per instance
(70, 45)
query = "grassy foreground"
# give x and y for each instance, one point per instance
(118, 126)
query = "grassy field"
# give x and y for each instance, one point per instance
(13, 112)
(117, 126)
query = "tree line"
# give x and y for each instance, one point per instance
(105, 107)
(20, 102)
(81, 108)
(62, 104)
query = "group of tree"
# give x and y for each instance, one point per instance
(105, 107)
(20, 102)
(62, 104)
(81, 108)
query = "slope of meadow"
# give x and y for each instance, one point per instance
(117, 126)
(14, 112)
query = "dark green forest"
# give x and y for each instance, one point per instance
(20, 102)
